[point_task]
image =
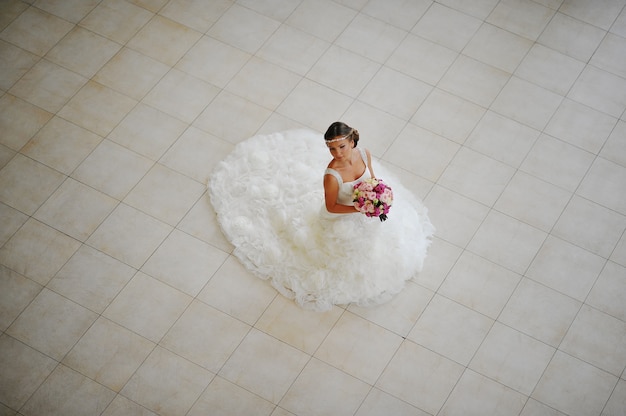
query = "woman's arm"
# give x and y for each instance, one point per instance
(369, 163)
(331, 191)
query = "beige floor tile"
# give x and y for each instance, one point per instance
(47, 85)
(323, 19)
(617, 402)
(165, 194)
(19, 121)
(210, 347)
(14, 63)
(476, 176)
(600, 90)
(312, 105)
(581, 340)
(371, 38)
(497, 47)
(571, 37)
(399, 314)
(503, 139)
(507, 241)
(147, 131)
(474, 81)
(112, 169)
(147, 307)
(61, 145)
(195, 14)
(480, 9)
(16, 293)
(608, 292)
(97, 108)
(52, 324)
(223, 398)
(196, 154)
(574, 387)
(108, 354)
(264, 365)
(415, 368)
(231, 118)
(495, 399)
(581, 126)
(407, 58)
(397, 12)
(23, 370)
(549, 69)
(619, 253)
(76, 209)
(525, 18)
(10, 10)
(343, 71)
(181, 95)
(540, 312)
(512, 358)
(557, 162)
(201, 222)
(479, 284)
(323, 390)
(116, 20)
(36, 31)
(533, 407)
(131, 73)
(527, 103)
(195, 61)
(448, 115)
(243, 28)
(277, 10)
(447, 27)
(91, 279)
(438, 329)
(292, 49)
(602, 227)
(456, 217)
(377, 129)
(121, 406)
(184, 262)
(380, 403)
(83, 52)
(37, 251)
(353, 341)
(619, 26)
(129, 235)
(152, 5)
(184, 385)
(395, 93)
(303, 329)
(566, 268)
(604, 183)
(264, 83)
(533, 201)
(164, 40)
(71, 10)
(235, 291)
(602, 17)
(441, 257)
(6, 155)
(421, 152)
(614, 148)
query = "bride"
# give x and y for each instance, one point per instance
(301, 230)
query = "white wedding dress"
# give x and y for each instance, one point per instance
(269, 199)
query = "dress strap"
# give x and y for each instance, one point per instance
(363, 155)
(336, 174)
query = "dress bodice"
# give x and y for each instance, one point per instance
(346, 189)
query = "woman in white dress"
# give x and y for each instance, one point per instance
(303, 233)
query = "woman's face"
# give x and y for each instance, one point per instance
(341, 149)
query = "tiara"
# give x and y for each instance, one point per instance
(336, 139)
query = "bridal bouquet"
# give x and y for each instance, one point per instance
(373, 197)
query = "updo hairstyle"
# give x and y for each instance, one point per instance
(338, 129)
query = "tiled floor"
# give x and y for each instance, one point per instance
(119, 295)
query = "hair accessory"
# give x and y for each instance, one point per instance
(336, 139)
